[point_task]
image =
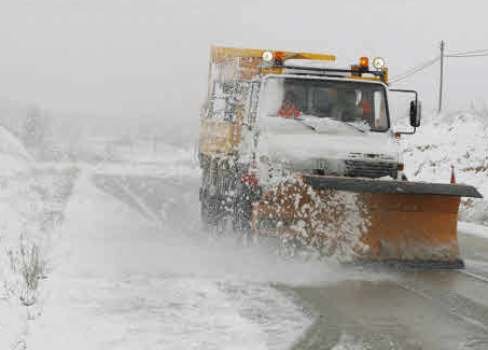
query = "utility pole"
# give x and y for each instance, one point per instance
(441, 77)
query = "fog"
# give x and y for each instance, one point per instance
(133, 58)
(110, 228)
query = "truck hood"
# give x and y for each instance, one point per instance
(290, 141)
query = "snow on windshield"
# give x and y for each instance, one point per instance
(357, 103)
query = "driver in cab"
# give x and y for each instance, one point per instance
(352, 106)
(289, 109)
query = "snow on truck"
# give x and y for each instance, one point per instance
(291, 147)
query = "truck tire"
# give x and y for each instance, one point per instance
(246, 195)
(204, 209)
(216, 205)
(242, 209)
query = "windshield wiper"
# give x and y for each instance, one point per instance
(330, 118)
(304, 123)
(315, 128)
(355, 127)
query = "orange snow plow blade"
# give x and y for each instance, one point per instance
(399, 222)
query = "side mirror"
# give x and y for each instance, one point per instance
(415, 110)
(415, 113)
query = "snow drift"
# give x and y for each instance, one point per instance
(13, 156)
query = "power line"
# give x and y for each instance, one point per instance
(462, 54)
(422, 66)
(425, 65)
(414, 70)
(472, 55)
(478, 51)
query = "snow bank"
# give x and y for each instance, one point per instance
(11, 145)
(455, 139)
(15, 225)
(32, 205)
(13, 156)
(31, 202)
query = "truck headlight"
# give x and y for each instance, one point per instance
(378, 63)
(267, 56)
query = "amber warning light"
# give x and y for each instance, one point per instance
(279, 57)
(364, 63)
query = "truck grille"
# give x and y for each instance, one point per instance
(357, 168)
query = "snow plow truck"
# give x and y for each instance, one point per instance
(294, 148)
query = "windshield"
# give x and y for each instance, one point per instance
(344, 101)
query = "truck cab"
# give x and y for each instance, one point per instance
(272, 114)
(327, 126)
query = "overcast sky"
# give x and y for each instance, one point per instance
(151, 57)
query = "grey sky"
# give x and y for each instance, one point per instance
(150, 57)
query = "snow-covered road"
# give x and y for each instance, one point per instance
(125, 280)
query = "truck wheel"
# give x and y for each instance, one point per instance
(205, 212)
(243, 209)
(213, 216)
(242, 217)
